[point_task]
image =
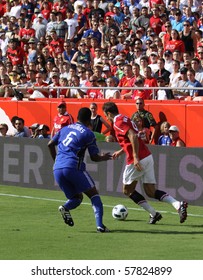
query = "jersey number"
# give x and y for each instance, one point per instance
(68, 139)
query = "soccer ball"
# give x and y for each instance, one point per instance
(120, 212)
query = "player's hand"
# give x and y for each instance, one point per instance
(106, 156)
(116, 155)
(137, 165)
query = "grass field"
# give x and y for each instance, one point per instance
(32, 229)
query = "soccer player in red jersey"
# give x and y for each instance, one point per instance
(63, 118)
(139, 165)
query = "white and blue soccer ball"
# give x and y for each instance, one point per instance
(119, 212)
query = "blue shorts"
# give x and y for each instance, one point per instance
(72, 181)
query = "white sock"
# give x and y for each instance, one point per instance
(148, 208)
(171, 200)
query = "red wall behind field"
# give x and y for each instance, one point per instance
(187, 115)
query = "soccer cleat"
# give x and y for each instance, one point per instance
(183, 211)
(155, 219)
(103, 229)
(66, 216)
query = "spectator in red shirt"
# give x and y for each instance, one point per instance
(149, 80)
(15, 53)
(127, 80)
(175, 43)
(53, 91)
(94, 93)
(2, 8)
(60, 6)
(155, 22)
(46, 10)
(56, 44)
(167, 36)
(26, 33)
(140, 93)
(154, 3)
(39, 83)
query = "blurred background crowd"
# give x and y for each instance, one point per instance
(89, 44)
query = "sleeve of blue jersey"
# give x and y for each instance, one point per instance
(56, 137)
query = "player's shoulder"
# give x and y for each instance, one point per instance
(122, 120)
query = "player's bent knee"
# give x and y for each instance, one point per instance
(79, 196)
(128, 190)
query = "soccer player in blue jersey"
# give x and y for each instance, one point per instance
(70, 170)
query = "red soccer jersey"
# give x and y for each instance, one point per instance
(53, 91)
(46, 13)
(57, 47)
(155, 24)
(151, 82)
(16, 56)
(122, 124)
(126, 82)
(144, 94)
(61, 121)
(2, 9)
(157, 2)
(27, 34)
(94, 93)
(61, 9)
(43, 84)
(173, 45)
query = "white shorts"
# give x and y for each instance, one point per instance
(147, 175)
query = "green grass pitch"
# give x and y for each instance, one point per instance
(31, 228)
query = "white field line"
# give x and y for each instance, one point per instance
(84, 203)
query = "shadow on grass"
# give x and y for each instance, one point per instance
(156, 231)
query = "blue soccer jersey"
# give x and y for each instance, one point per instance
(72, 142)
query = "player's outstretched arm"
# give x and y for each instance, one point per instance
(102, 157)
(52, 149)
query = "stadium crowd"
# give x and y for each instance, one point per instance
(89, 44)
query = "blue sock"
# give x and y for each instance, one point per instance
(98, 210)
(72, 203)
